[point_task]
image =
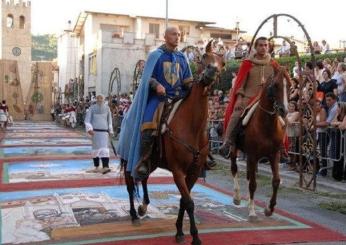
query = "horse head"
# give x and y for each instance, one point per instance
(211, 65)
(276, 91)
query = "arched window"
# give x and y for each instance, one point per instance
(10, 21)
(21, 22)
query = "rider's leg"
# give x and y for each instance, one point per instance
(229, 136)
(147, 142)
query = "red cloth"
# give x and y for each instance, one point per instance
(70, 109)
(244, 69)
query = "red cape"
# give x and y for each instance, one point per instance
(244, 69)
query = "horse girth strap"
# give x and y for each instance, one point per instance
(190, 148)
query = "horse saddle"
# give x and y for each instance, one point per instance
(170, 107)
(248, 112)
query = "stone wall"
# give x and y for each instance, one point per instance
(39, 99)
(10, 88)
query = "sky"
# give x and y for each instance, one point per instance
(323, 20)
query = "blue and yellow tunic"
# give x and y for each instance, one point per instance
(172, 71)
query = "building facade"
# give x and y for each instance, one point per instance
(105, 41)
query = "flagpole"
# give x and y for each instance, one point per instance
(166, 23)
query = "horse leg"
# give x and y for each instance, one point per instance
(274, 163)
(179, 236)
(234, 170)
(186, 204)
(142, 209)
(130, 185)
(251, 177)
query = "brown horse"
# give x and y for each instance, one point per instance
(185, 145)
(263, 137)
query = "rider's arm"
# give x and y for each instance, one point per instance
(187, 76)
(153, 83)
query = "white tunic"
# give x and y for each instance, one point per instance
(3, 116)
(99, 118)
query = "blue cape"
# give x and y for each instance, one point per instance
(128, 147)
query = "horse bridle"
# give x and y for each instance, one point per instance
(202, 67)
(276, 106)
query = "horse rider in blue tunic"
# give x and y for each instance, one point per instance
(166, 74)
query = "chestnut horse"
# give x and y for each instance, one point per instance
(263, 137)
(185, 146)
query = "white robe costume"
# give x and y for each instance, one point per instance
(99, 120)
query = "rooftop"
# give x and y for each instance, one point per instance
(205, 24)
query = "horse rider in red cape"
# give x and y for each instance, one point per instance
(253, 73)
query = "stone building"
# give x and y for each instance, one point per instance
(99, 42)
(15, 38)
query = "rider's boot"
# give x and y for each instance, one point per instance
(225, 149)
(229, 139)
(144, 164)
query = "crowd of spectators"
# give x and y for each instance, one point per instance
(330, 118)
(118, 105)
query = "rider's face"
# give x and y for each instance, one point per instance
(262, 47)
(172, 37)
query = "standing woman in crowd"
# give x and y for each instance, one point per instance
(337, 143)
(319, 70)
(327, 85)
(317, 48)
(321, 131)
(293, 132)
(294, 90)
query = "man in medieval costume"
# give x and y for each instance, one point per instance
(166, 74)
(98, 124)
(253, 73)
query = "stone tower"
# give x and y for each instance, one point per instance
(15, 38)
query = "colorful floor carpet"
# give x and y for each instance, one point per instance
(46, 200)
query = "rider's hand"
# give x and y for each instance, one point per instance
(90, 132)
(160, 90)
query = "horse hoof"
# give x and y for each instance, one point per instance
(179, 239)
(236, 202)
(141, 210)
(196, 242)
(267, 212)
(253, 218)
(136, 222)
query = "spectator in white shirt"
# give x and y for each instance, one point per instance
(325, 47)
(284, 49)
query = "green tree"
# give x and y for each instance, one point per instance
(44, 47)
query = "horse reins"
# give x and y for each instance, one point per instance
(190, 148)
(272, 113)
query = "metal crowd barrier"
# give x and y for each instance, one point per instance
(214, 141)
(331, 145)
